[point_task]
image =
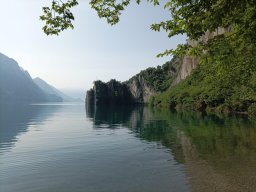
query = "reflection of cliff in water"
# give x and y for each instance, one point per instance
(143, 123)
(219, 153)
(109, 116)
(16, 118)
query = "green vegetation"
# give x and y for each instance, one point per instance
(160, 78)
(252, 109)
(190, 17)
(225, 79)
(58, 17)
(214, 86)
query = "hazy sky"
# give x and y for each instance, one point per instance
(93, 50)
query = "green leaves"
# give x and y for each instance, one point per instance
(109, 9)
(193, 18)
(59, 17)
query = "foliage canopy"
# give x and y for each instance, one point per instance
(191, 17)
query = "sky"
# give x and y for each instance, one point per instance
(94, 50)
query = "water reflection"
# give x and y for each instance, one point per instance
(219, 152)
(112, 117)
(15, 118)
(68, 154)
(142, 121)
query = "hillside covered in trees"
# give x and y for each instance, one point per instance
(213, 87)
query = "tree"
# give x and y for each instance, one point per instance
(190, 17)
(58, 17)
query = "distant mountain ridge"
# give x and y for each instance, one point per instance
(16, 85)
(49, 89)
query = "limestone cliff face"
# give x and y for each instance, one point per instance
(188, 64)
(140, 90)
(153, 80)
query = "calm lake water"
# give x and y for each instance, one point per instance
(66, 147)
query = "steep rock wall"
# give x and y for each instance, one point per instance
(188, 64)
(154, 80)
(140, 90)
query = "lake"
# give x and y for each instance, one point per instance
(64, 147)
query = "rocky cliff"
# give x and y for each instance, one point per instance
(140, 90)
(112, 92)
(137, 89)
(154, 80)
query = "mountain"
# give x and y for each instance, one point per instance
(50, 90)
(16, 85)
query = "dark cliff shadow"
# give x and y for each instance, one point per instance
(15, 118)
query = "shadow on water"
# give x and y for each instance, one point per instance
(219, 153)
(15, 118)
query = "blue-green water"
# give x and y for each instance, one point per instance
(64, 147)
